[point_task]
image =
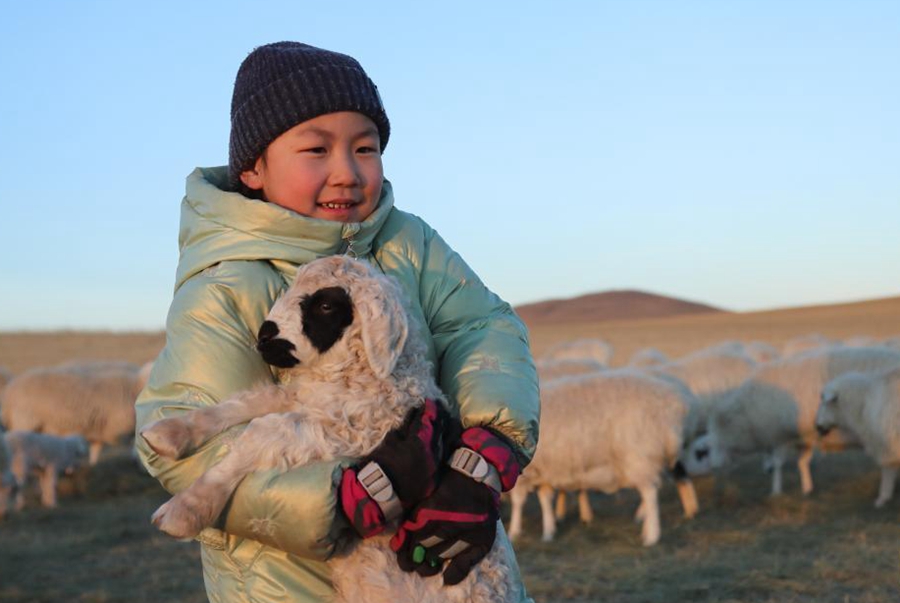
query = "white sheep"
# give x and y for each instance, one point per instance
(868, 406)
(579, 349)
(341, 397)
(94, 399)
(708, 373)
(805, 343)
(46, 456)
(773, 412)
(8, 484)
(646, 357)
(607, 431)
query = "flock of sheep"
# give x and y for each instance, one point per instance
(608, 429)
(58, 419)
(602, 428)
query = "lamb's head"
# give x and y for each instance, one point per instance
(705, 453)
(836, 396)
(77, 450)
(336, 307)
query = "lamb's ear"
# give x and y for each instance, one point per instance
(384, 328)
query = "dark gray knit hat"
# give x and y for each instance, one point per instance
(282, 84)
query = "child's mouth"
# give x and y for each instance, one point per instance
(338, 205)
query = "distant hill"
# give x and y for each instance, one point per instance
(609, 305)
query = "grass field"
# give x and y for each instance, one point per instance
(744, 546)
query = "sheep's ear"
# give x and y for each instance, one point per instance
(384, 329)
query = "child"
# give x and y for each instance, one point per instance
(305, 180)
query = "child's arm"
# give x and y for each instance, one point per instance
(210, 355)
(482, 347)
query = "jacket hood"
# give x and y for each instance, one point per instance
(218, 225)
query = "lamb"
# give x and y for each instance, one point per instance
(94, 399)
(607, 431)
(579, 349)
(868, 406)
(774, 412)
(44, 455)
(340, 399)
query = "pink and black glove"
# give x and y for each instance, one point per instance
(400, 473)
(458, 523)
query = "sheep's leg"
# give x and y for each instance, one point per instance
(48, 486)
(640, 512)
(650, 530)
(517, 497)
(268, 442)
(688, 496)
(806, 483)
(560, 505)
(777, 472)
(545, 496)
(886, 491)
(175, 437)
(584, 507)
(94, 453)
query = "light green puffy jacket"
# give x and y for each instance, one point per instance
(237, 256)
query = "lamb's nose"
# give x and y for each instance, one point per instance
(267, 332)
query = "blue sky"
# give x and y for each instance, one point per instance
(743, 154)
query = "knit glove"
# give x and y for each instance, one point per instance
(458, 523)
(400, 473)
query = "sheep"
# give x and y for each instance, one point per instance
(607, 431)
(708, 373)
(8, 484)
(647, 357)
(805, 343)
(94, 399)
(595, 349)
(339, 399)
(774, 412)
(549, 369)
(47, 456)
(868, 406)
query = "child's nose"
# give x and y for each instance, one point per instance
(344, 171)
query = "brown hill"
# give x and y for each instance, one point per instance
(608, 305)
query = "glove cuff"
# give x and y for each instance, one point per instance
(362, 509)
(495, 452)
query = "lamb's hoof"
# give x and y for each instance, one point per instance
(177, 519)
(170, 437)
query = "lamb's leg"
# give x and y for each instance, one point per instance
(650, 530)
(777, 472)
(560, 505)
(806, 483)
(545, 496)
(517, 497)
(175, 437)
(886, 491)
(272, 441)
(584, 507)
(94, 452)
(48, 486)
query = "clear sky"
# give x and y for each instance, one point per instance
(744, 154)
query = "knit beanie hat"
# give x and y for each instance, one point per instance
(283, 84)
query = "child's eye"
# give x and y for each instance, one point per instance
(366, 150)
(315, 150)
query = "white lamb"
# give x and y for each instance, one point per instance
(45, 456)
(579, 349)
(774, 411)
(607, 431)
(339, 402)
(868, 406)
(94, 399)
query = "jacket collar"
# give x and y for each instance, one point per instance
(219, 225)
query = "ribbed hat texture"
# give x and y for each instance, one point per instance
(282, 84)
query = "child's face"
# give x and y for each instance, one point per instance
(328, 167)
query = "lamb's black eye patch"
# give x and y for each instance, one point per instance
(701, 454)
(326, 313)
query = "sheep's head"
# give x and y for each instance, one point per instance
(334, 302)
(80, 449)
(826, 415)
(704, 454)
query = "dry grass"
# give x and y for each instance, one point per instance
(743, 547)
